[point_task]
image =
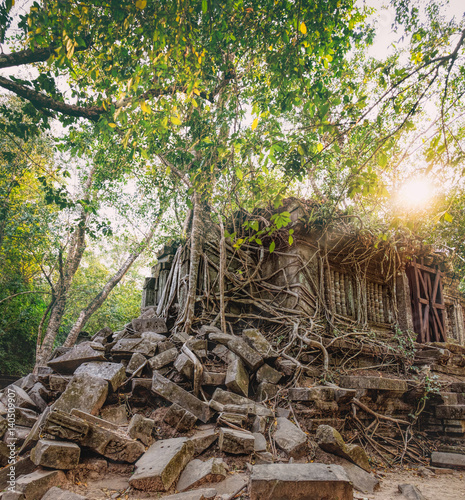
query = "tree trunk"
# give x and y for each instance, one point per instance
(100, 298)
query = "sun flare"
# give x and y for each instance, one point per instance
(415, 193)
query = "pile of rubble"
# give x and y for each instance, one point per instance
(199, 407)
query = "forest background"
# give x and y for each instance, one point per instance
(120, 120)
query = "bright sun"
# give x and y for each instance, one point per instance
(415, 193)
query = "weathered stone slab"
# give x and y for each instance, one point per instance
(223, 353)
(258, 342)
(331, 441)
(175, 394)
(410, 492)
(58, 383)
(375, 383)
(114, 373)
(91, 419)
(64, 426)
(22, 467)
(203, 439)
(26, 382)
(82, 353)
(290, 438)
(260, 442)
(234, 418)
(322, 393)
(251, 358)
(266, 391)
(156, 325)
(449, 460)
(127, 347)
(56, 454)
(180, 418)
(18, 397)
(185, 366)
(23, 417)
(39, 394)
(102, 335)
(286, 366)
(237, 378)
(200, 494)
(161, 464)
(198, 473)
(153, 337)
(213, 378)
(299, 482)
(267, 373)
(141, 428)
(34, 485)
(117, 415)
(451, 412)
(229, 398)
(85, 392)
(56, 493)
(163, 359)
(136, 363)
(236, 442)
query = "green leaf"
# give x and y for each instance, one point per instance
(204, 6)
(448, 217)
(239, 174)
(175, 120)
(291, 240)
(382, 160)
(141, 4)
(254, 124)
(272, 247)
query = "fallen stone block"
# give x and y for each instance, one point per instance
(4, 454)
(299, 482)
(260, 442)
(153, 337)
(233, 418)
(156, 325)
(258, 342)
(125, 348)
(163, 359)
(165, 345)
(17, 435)
(56, 493)
(161, 464)
(322, 393)
(136, 363)
(266, 391)
(286, 366)
(117, 415)
(102, 335)
(141, 428)
(449, 460)
(267, 373)
(200, 494)
(85, 392)
(259, 424)
(26, 383)
(374, 383)
(64, 426)
(198, 473)
(236, 442)
(237, 378)
(251, 358)
(203, 439)
(58, 383)
(82, 353)
(179, 418)
(290, 438)
(198, 346)
(23, 417)
(450, 412)
(331, 441)
(14, 395)
(230, 398)
(34, 485)
(39, 394)
(175, 394)
(114, 373)
(185, 366)
(410, 492)
(23, 466)
(213, 378)
(56, 454)
(223, 353)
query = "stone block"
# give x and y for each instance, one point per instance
(290, 438)
(198, 347)
(39, 395)
(18, 397)
(200, 494)
(260, 442)
(331, 441)
(163, 359)
(23, 466)
(185, 366)
(141, 428)
(63, 426)
(56, 493)
(154, 338)
(82, 353)
(213, 378)
(230, 398)
(156, 325)
(259, 424)
(175, 394)
(234, 418)
(374, 383)
(23, 417)
(203, 439)
(223, 353)
(102, 335)
(34, 485)
(161, 464)
(114, 373)
(267, 373)
(236, 442)
(85, 392)
(58, 383)
(286, 366)
(448, 460)
(410, 492)
(237, 378)
(299, 482)
(450, 412)
(117, 415)
(179, 418)
(266, 390)
(258, 342)
(125, 348)
(322, 393)
(198, 473)
(251, 358)
(165, 345)
(56, 454)
(136, 363)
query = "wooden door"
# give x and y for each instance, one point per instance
(427, 302)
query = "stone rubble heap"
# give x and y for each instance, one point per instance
(196, 402)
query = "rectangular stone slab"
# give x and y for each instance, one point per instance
(156, 325)
(376, 383)
(300, 482)
(68, 362)
(36, 484)
(451, 412)
(114, 373)
(175, 394)
(449, 460)
(161, 464)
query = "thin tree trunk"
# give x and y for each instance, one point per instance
(222, 273)
(100, 298)
(195, 254)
